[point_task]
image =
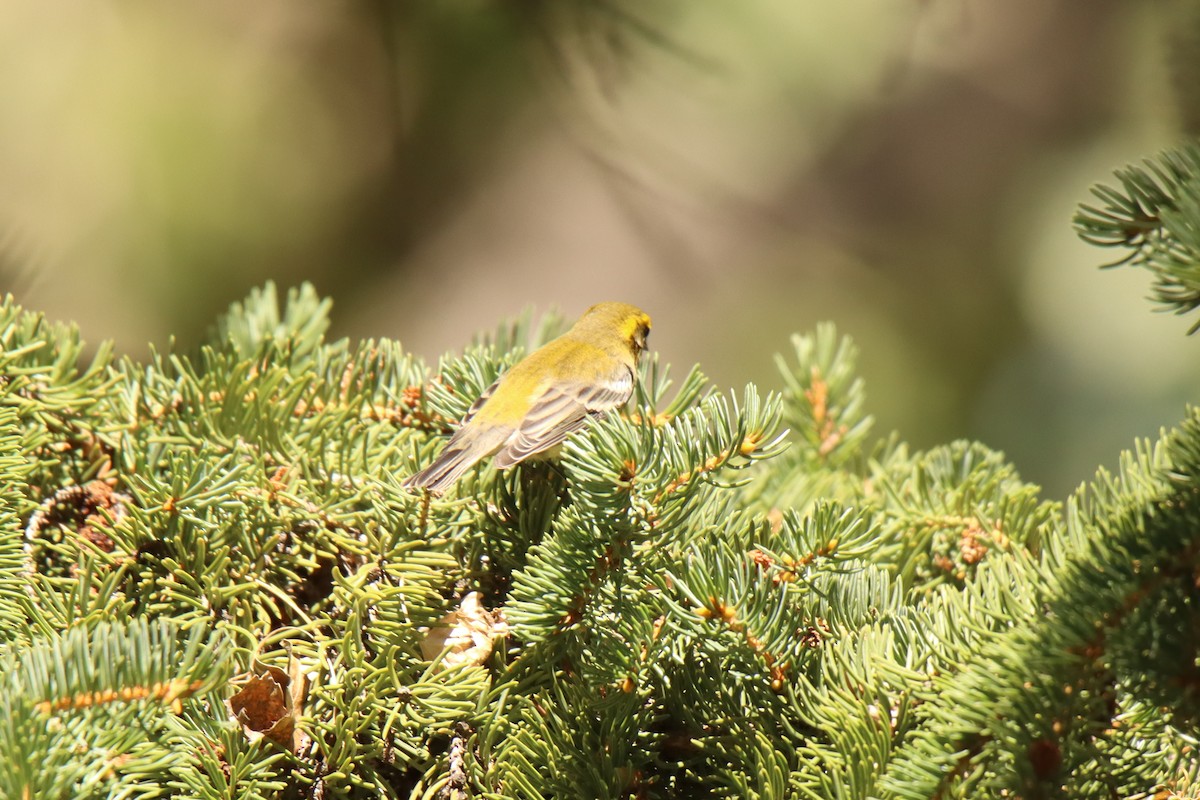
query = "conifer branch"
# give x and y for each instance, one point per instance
(698, 604)
(1153, 215)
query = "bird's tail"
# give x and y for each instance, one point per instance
(464, 449)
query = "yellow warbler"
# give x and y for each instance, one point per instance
(548, 395)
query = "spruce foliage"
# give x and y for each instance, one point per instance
(213, 585)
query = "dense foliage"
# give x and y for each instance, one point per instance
(213, 585)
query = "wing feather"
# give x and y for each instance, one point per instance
(561, 411)
(483, 398)
(467, 446)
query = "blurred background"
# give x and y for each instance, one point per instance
(905, 168)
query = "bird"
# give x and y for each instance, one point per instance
(546, 396)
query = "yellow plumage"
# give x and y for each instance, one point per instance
(548, 395)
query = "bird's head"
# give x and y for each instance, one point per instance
(627, 322)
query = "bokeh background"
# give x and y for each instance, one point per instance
(905, 168)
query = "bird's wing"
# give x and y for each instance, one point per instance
(562, 410)
(483, 398)
(469, 444)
